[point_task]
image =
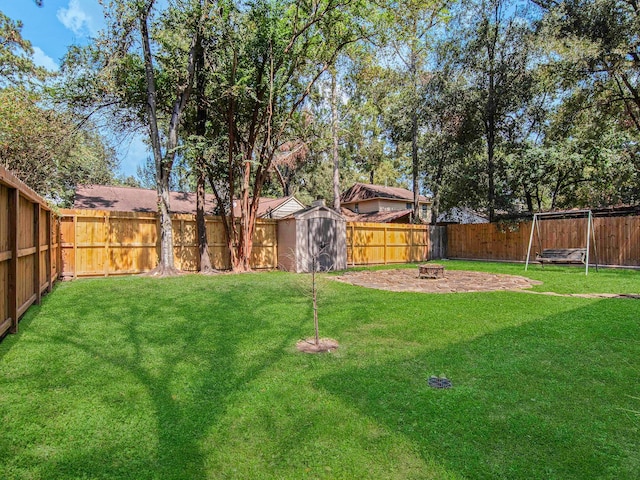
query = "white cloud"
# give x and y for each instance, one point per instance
(76, 17)
(43, 60)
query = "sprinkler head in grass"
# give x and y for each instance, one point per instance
(439, 382)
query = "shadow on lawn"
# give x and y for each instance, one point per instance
(188, 365)
(540, 400)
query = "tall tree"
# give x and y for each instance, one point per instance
(143, 66)
(47, 147)
(47, 150)
(16, 62)
(412, 29)
(493, 47)
(277, 52)
(335, 144)
(598, 45)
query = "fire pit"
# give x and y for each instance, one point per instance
(430, 270)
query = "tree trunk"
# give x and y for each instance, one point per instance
(529, 199)
(414, 133)
(228, 224)
(164, 163)
(203, 244)
(334, 134)
(491, 169)
(201, 127)
(166, 264)
(244, 242)
(490, 115)
(437, 186)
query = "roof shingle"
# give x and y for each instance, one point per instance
(366, 191)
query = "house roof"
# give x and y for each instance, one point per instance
(377, 217)
(269, 205)
(366, 191)
(130, 199)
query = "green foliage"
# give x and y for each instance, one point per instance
(45, 148)
(16, 64)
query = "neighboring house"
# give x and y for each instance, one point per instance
(274, 207)
(129, 199)
(365, 202)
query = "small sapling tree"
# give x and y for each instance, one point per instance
(319, 261)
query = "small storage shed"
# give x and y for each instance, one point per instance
(316, 232)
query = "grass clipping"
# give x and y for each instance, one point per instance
(323, 345)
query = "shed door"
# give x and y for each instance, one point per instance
(322, 243)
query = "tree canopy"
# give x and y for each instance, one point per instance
(502, 106)
(48, 147)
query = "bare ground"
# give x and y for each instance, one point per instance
(454, 281)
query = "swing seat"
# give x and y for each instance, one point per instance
(562, 255)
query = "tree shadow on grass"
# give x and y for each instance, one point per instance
(160, 372)
(544, 399)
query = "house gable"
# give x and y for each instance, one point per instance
(376, 200)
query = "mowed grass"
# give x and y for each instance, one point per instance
(198, 377)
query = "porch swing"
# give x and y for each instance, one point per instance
(563, 255)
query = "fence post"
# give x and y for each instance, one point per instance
(58, 240)
(75, 246)
(385, 243)
(181, 244)
(36, 261)
(107, 260)
(353, 244)
(14, 201)
(411, 251)
(49, 266)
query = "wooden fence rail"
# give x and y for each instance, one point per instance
(29, 250)
(103, 243)
(617, 239)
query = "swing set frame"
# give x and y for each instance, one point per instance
(563, 255)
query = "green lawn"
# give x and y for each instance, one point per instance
(198, 377)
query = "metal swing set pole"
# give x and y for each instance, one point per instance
(591, 233)
(533, 225)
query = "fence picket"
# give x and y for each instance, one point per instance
(27, 267)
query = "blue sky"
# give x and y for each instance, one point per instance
(51, 29)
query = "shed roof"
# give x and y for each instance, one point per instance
(309, 211)
(367, 191)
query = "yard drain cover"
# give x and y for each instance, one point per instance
(437, 382)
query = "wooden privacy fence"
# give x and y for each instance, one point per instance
(103, 243)
(383, 243)
(617, 239)
(29, 250)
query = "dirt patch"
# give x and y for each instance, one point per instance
(454, 281)
(309, 345)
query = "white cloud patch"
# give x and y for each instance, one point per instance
(76, 17)
(41, 59)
